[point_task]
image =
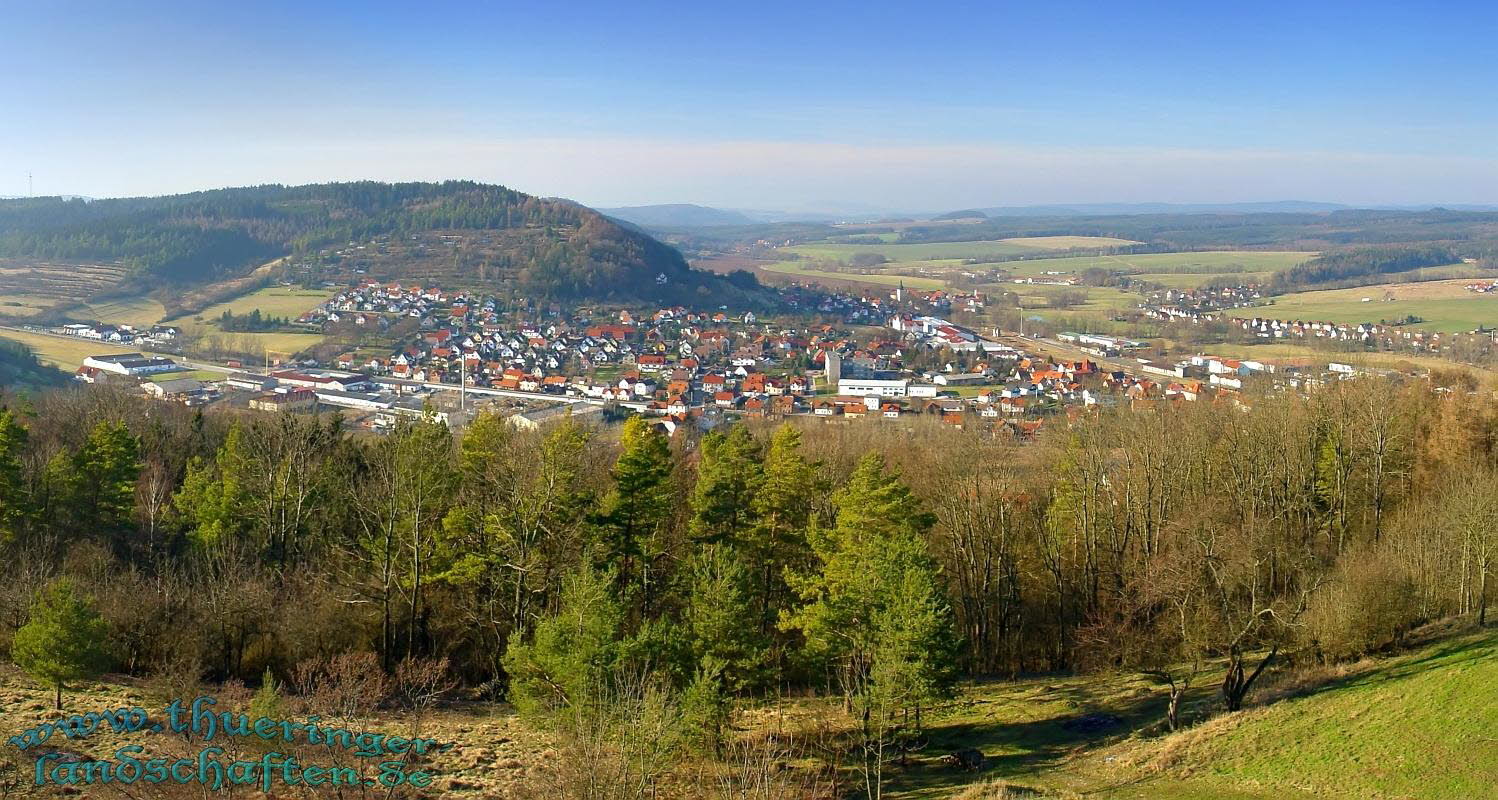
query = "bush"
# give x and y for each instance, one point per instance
(1369, 604)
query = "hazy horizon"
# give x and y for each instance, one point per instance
(786, 108)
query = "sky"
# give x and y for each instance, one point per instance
(892, 106)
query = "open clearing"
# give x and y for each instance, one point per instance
(64, 352)
(274, 301)
(1444, 306)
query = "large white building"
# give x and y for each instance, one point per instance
(130, 364)
(866, 386)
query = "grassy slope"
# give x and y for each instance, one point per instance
(1420, 725)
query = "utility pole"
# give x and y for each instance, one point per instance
(30, 185)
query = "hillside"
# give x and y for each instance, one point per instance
(1400, 727)
(540, 247)
(20, 369)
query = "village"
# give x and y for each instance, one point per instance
(885, 357)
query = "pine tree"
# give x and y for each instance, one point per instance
(574, 651)
(213, 497)
(632, 517)
(64, 638)
(98, 485)
(874, 610)
(15, 503)
(728, 477)
(782, 513)
(722, 622)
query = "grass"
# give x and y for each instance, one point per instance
(802, 269)
(63, 352)
(1444, 306)
(1419, 724)
(122, 311)
(1205, 265)
(1068, 242)
(273, 301)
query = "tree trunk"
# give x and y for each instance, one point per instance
(59, 695)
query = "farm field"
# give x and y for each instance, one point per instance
(273, 301)
(955, 250)
(1444, 306)
(64, 352)
(1203, 265)
(121, 311)
(802, 269)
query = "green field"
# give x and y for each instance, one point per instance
(1444, 306)
(1203, 264)
(273, 301)
(903, 253)
(1420, 724)
(64, 352)
(802, 269)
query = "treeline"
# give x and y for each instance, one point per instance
(253, 322)
(561, 249)
(1354, 264)
(20, 369)
(577, 570)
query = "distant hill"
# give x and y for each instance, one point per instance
(541, 247)
(678, 215)
(1101, 209)
(971, 213)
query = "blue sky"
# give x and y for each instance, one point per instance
(764, 105)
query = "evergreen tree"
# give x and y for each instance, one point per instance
(874, 610)
(574, 652)
(94, 489)
(726, 639)
(728, 477)
(630, 522)
(213, 497)
(15, 502)
(64, 638)
(782, 512)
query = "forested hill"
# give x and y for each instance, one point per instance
(550, 247)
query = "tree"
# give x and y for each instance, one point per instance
(95, 487)
(728, 478)
(213, 497)
(782, 512)
(64, 638)
(15, 502)
(874, 612)
(630, 521)
(725, 638)
(571, 658)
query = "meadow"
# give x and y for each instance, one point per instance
(928, 251)
(273, 301)
(1444, 306)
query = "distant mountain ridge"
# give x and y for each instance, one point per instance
(678, 215)
(542, 247)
